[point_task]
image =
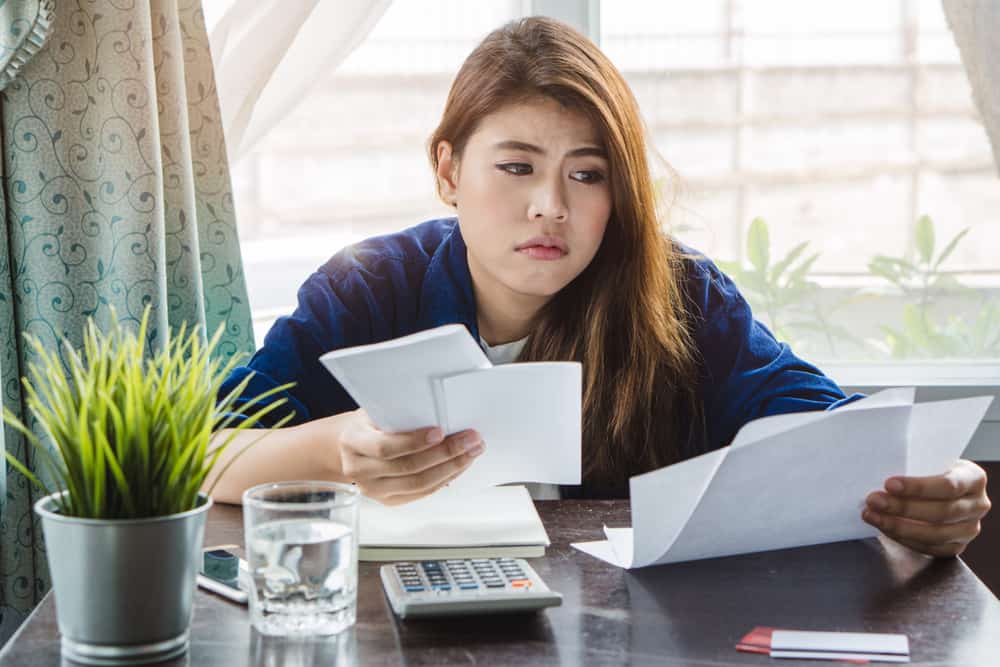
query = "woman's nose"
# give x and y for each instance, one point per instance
(548, 202)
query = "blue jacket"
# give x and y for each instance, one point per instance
(393, 285)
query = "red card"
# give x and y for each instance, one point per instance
(758, 640)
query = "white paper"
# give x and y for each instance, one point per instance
(527, 413)
(858, 642)
(393, 380)
(500, 516)
(794, 481)
(814, 655)
(940, 431)
(529, 417)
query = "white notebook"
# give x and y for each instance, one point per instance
(499, 521)
(529, 414)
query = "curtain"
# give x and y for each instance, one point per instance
(115, 192)
(268, 53)
(976, 27)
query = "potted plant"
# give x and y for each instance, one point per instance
(131, 434)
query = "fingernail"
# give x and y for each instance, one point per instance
(476, 449)
(872, 518)
(894, 485)
(434, 436)
(878, 502)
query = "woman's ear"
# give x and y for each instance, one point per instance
(447, 173)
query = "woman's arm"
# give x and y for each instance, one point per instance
(288, 453)
(393, 468)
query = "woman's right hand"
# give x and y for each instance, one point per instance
(396, 468)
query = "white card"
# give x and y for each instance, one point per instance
(854, 642)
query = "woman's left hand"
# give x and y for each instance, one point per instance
(936, 515)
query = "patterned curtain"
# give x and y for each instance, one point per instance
(115, 192)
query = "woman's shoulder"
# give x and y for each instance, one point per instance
(705, 285)
(411, 249)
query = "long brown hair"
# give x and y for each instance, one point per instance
(624, 316)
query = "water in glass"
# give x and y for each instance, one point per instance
(304, 576)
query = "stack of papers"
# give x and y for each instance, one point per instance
(788, 480)
(501, 521)
(848, 646)
(528, 414)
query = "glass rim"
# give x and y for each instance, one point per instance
(345, 495)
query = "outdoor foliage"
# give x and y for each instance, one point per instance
(781, 293)
(924, 332)
(940, 318)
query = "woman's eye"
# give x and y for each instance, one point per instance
(587, 176)
(515, 168)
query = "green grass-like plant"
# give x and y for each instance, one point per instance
(132, 432)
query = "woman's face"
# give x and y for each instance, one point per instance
(533, 198)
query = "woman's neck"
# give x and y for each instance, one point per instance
(503, 315)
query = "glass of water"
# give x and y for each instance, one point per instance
(302, 552)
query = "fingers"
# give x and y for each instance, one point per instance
(937, 515)
(964, 478)
(421, 483)
(936, 539)
(402, 498)
(360, 467)
(933, 511)
(373, 443)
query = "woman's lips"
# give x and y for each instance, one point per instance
(542, 252)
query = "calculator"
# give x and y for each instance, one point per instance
(471, 586)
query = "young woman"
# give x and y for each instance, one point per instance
(556, 253)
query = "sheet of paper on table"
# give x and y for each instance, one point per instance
(788, 480)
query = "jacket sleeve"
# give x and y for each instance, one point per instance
(746, 372)
(334, 310)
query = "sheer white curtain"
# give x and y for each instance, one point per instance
(976, 26)
(268, 53)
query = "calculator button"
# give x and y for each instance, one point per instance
(468, 585)
(521, 583)
(413, 589)
(441, 587)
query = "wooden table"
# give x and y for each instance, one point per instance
(685, 614)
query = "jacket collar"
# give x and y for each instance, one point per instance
(446, 296)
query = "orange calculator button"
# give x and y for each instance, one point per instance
(521, 583)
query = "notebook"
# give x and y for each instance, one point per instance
(529, 414)
(499, 521)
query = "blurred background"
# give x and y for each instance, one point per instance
(828, 155)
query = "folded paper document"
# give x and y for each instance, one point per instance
(528, 414)
(788, 480)
(500, 521)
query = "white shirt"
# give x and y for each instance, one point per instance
(505, 354)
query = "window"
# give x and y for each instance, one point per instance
(847, 126)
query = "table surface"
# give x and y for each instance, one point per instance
(682, 614)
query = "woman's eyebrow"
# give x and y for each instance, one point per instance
(511, 144)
